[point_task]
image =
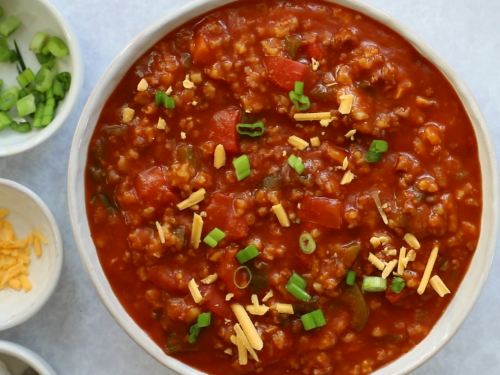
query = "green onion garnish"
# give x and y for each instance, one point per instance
(203, 321)
(8, 98)
(299, 100)
(65, 79)
(22, 127)
(1, 11)
(253, 130)
(37, 121)
(242, 167)
(9, 25)
(307, 243)
(297, 292)
(296, 285)
(313, 320)
(43, 59)
(397, 285)
(58, 89)
(351, 277)
(5, 120)
(161, 97)
(48, 111)
(213, 238)
(236, 274)
(296, 164)
(26, 77)
(57, 47)
(5, 52)
(1, 84)
(43, 79)
(26, 105)
(377, 148)
(374, 284)
(247, 254)
(39, 41)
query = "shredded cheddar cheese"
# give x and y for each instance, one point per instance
(195, 292)
(193, 199)
(439, 286)
(248, 327)
(161, 232)
(219, 156)
(298, 143)
(162, 125)
(388, 268)
(402, 264)
(412, 240)
(143, 85)
(314, 64)
(284, 308)
(312, 116)
(280, 213)
(346, 104)
(229, 296)
(196, 231)
(268, 296)
(315, 142)
(128, 115)
(376, 262)
(347, 178)
(350, 134)
(428, 269)
(210, 279)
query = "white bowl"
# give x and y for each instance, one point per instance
(40, 15)
(19, 359)
(27, 213)
(465, 297)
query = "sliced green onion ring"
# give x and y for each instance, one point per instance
(298, 87)
(307, 243)
(296, 164)
(236, 274)
(252, 130)
(397, 285)
(374, 284)
(351, 277)
(247, 254)
(298, 292)
(242, 167)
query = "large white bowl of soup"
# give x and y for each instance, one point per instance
(284, 186)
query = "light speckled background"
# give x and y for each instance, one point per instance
(75, 333)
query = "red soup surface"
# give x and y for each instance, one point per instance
(284, 186)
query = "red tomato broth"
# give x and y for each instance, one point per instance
(147, 171)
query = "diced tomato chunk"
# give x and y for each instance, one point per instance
(220, 214)
(323, 211)
(314, 51)
(151, 187)
(215, 301)
(223, 129)
(163, 276)
(284, 72)
(201, 53)
(395, 298)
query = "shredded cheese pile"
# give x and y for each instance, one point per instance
(15, 255)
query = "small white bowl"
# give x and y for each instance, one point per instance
(40, 15)
(19, 359)
(27, 213)
(463, 300)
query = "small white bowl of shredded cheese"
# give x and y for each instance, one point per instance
(17, 360)
(31, 254)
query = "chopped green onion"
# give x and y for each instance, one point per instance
(297, 280)
(377, 148)
(247, 254)
(307, 243)
(5, 120)
(242, 167)
(39, 97)
(373, 157)
(397, 285)
(39, 41)
(37, 121)
(65, 79)
(57, 47)
(43, 79)
(1, 11)
(26, 77)
(297, 292)
(26, 105)
(48, 111)
(301, 102)
(253, 130)
(374, 284)
(22, 127)
(351, 277)
(5, 53)
(161, 97)
(8, 98)
(9, 25)
(58, 89)
(313, 320)
(296, 164)
(299, 88)
(213, 238)
(204, 320)
(236, 274)
(1, 84)
(43, 59)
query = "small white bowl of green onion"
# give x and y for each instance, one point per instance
(41, 74)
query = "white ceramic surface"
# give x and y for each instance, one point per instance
(18, 359)
(27, 213)
(463, 300)
(39, 15)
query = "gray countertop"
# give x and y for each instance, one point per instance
(76, 334)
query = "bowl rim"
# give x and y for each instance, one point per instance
(488, 163)
(28, 356)
(71, 98)
(58, 245)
